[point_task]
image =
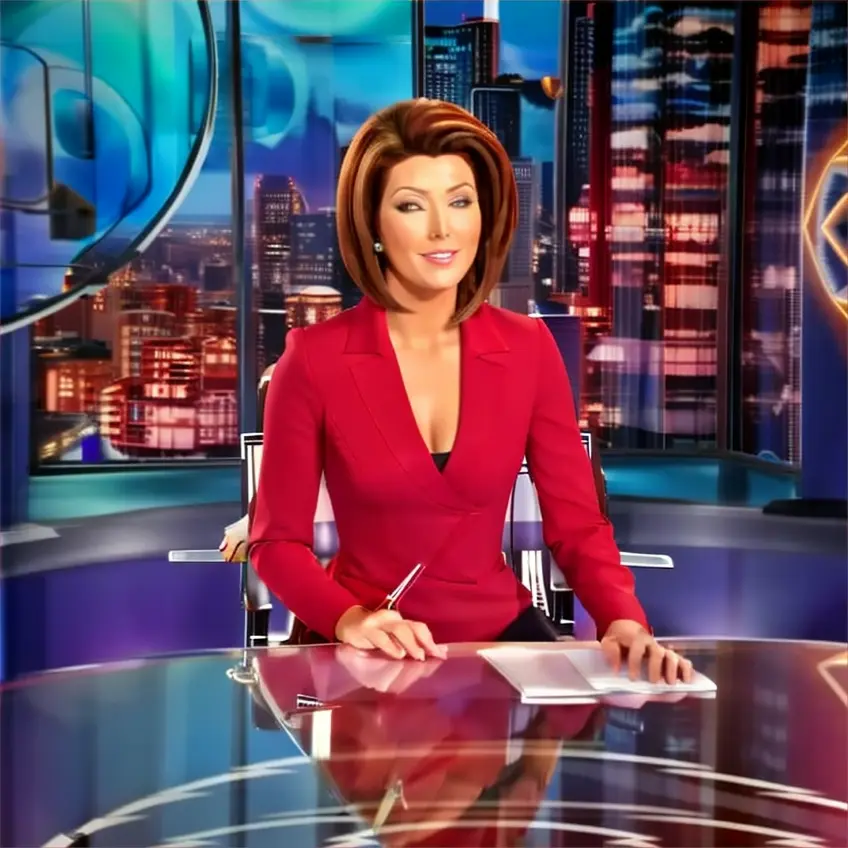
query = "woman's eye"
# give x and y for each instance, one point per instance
(461, 202)
(409, 206)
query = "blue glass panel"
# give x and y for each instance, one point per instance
(375, 21)
(107, 108)
(26, 173)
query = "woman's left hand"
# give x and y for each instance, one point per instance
(629, 641)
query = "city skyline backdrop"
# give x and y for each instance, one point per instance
(639, 286)
(339, 95)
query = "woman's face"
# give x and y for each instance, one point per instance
(429, 222)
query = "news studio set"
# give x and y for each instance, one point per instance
(562, 564)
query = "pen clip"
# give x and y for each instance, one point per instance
(393, 599)
(393, 794)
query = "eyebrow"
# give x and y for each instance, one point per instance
(424, 191)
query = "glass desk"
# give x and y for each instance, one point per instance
(322, 746)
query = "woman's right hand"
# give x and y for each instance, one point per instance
(387, 631)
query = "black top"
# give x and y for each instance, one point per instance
(441, 459)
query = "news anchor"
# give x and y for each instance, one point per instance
(418, 406)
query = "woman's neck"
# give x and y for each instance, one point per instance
(427, 323)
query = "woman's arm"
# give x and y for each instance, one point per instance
(283, 511)
(578, 535)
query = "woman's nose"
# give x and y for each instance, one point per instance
(438, 225)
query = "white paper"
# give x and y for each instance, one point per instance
(597, 672)
(539, 675)
(576, 675)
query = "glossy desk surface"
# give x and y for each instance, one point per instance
(225, 750)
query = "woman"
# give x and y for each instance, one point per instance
(418, 406)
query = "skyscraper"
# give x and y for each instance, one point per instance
(669, 186)
(578, 125)
(276, 199)
(517, 287)
(313, 249)
(573, 273)
(499, 108)
(460, 57)
(771, 372)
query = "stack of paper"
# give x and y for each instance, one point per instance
(577, 675)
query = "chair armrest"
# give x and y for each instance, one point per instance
(646, 560)
(195, 556)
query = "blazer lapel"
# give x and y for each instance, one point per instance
(483, 407)
(377, 376)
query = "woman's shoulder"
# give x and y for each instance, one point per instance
(328, 336)
(515, 328)
(318, 349)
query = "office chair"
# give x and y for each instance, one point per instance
(255, 597)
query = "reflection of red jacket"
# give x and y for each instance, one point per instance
(337, 406)
(445, 739)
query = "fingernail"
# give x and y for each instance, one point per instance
(222, 545)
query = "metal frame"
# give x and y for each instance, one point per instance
(245, 315)
(418, 69)
(255, 597)
(741, 172)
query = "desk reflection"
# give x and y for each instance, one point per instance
(321, 747)
(424, 753)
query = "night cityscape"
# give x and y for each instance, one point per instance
(147, 368)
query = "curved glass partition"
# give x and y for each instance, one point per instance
(107, 110)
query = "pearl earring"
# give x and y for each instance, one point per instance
(378, 247)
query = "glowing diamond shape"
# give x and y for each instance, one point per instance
(834, 672)
(829, 226)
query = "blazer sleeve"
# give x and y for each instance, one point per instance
(281, 531)
(575, 530)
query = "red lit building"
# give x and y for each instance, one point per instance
(181, 401)
(180, 299)
(313, 305)
(133, 327)
(71, 383)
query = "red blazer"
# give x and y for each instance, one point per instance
(337, 405)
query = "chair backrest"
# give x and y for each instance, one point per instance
(256, 599)
(254, 593)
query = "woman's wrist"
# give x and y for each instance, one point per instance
(352, 615)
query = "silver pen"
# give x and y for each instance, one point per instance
(393, 598)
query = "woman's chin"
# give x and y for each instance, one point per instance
(430, 289)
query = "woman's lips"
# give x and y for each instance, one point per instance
(440, 257)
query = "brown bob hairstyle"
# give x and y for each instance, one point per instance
(424, 128)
